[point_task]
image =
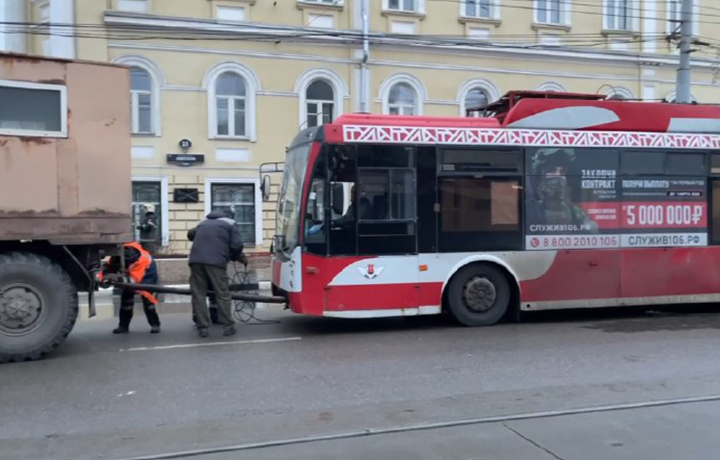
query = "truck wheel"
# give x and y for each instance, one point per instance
(38, 306)
(478, 295)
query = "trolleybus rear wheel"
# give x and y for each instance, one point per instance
(478, 295)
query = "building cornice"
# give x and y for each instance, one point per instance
(339, 37)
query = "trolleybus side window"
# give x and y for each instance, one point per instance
(664, 195)
(480, 199)
(386, 197)
(571, 197)
(315, 221)
(715, 197)
(343, 220)
(685, 164)
(660, 163)
(642, 163)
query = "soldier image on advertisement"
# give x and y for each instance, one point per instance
(553, 202)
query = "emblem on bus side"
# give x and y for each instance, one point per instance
(371, 271)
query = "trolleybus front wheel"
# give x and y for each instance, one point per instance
(478, 295)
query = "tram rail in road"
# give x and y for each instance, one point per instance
(426, 427)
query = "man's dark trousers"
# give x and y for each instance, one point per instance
(202, 278)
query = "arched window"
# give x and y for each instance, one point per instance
(230, 105)
(619, 93)
(672, 98)
(321, 94)
(402, 100)
(552, 87)
(319, 103)
(231, 90)
(146, 81)
(475, 93)
(141, 96)
(475, 99)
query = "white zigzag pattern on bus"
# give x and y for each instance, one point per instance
(539, 138)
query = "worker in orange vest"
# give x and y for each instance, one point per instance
(141, 268)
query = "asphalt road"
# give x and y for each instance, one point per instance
(570, 385)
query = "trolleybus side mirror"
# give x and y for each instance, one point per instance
(265, 187)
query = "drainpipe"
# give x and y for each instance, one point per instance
(364, 73)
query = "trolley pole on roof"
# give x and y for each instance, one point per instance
(682, 93)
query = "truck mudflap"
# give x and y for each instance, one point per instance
(92, 312)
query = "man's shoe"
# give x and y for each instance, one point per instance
(203, 332)
(229, 331)
(121, 330)
(155, 329)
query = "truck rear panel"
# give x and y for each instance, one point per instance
(70, 188)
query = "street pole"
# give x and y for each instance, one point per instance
(364, 73)
(682, 93)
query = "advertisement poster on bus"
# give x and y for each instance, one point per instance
(577, 199)
(663, 211)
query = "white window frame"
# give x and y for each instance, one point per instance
(401, 107)
(157, 80)
(164, 202)
(671, 97)
(414, 82)
(485, 85)
(39, 86)
(45, 5)
(209, 181)
(242, 8)
(619, 91)
(232, 101)
(494, 10)
(319, 112)
(551, 86)
(135, 108)
(419, 7)
(610, 21)
(670, 14)
(336, 3)
(131, 10)
(252, 86)
(565, 13)
(338, 85)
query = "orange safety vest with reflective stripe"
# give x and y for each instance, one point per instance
(137, 270)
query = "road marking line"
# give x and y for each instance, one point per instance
(423, 427)
(210, 344)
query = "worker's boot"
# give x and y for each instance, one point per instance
(125, 316)
(229, 330)
(155, 329)
(203, 332)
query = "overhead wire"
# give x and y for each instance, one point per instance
(132, 32)
(531, 7)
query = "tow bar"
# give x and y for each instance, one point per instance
(186, 291)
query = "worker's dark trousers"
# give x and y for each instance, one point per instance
(127, 302)
(202, 278)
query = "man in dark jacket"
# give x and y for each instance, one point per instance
(216, 241)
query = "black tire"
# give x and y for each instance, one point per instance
(478, 295)
(38, 306)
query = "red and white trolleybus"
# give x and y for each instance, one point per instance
(546, 201)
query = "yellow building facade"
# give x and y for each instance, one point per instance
(239, 78)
